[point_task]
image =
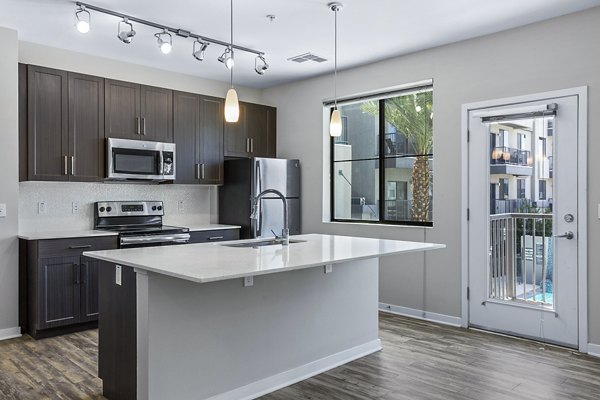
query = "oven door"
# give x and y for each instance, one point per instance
(136, 159)
(126, 242)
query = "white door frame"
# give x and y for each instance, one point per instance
(582, 93)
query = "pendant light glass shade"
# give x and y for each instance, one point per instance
(232, 106)
(335, 123)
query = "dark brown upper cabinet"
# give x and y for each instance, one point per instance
(138, 112)
(65, 126)
(198, 131)
(254, 134)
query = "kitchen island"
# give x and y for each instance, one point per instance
(210, 321)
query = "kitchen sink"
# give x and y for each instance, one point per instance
(260, 243)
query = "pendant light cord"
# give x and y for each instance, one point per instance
(231, 43)
(335, 58)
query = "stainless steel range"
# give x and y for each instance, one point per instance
(139, 223)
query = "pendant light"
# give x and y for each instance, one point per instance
(335, 123)
(232, 106)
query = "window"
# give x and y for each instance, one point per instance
(503, 188)
(382, 165)
(542, 189)
(520, 188)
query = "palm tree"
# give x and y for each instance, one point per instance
(412, 116)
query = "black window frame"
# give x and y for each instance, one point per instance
(381, 163)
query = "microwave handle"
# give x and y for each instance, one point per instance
(161, 163)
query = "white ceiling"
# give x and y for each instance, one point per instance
(369, 30)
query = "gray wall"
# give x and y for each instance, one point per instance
(9, 186)
(555, 54)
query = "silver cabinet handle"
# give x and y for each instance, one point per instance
(251, 145)
(202, 171)
(215, 238)
(138, 127)
(567, 235)
(80, 246)
(144, 126)
(66, 166)
(197, 171)
(247, 145)
(72, 165)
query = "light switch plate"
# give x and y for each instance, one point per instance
(75, 207)
(118, 275)
(248, 281)
(2, 210)
(42, 207)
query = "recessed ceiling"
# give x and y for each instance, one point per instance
(368, 30)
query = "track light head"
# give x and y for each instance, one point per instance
(227, 58)
(125, 36)
(83, 19)
(165, 41)
(260, 64)
(199, 49)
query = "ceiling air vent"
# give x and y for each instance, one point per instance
(307, 57)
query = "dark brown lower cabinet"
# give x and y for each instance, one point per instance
(58, 285)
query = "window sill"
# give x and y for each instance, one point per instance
(363, 224)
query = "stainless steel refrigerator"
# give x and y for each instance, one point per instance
(244, 179)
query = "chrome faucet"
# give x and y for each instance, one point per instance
(284, 239)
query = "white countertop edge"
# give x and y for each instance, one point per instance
(429, 246)
(211, 227)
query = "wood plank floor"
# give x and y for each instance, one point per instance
(419, 360)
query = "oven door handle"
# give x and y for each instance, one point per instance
(161, 165)
(177, 238)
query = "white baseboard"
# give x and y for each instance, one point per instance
(594, 349)
(10, 333)
(420, 314)
(275, 382)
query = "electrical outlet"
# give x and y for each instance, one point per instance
(75, 208)
(2, 210)
(328, 268)
(248, 281)
(118, 275)
(42, 207)
(180, 206)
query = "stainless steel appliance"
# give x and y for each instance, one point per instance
(244, 179)
(139, 223)
(140, 160)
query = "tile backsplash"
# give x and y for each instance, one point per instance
(60, 196)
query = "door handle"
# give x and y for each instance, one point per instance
(247, 145)
(197, 172)
(567, 235)
(201, 171)
(73, 165)
(144, 126)
(251, 145)
(138, 126)
(66, 166)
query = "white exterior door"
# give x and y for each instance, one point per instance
(523, 241)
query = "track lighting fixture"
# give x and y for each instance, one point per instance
(165, 41)
(260, 64)
(83, 18)
(125, 36)
(199, 49)
(227, 58)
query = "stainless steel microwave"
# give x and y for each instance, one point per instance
(140, 160)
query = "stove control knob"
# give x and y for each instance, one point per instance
(108, 209)
(159, 208)
(101, 209)
(153, 208)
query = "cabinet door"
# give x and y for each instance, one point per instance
(47, 135)
(58, 291)
(157, 114)
(86, 128)
(89, 289)
(186, 121)
(236, 143)
(211, 140)
(122, 110)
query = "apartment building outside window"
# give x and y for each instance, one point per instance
(382, 164)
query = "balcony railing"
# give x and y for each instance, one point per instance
(520, 258)
(508, 155)
(510, 206)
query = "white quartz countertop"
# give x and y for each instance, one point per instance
(44, 235)
(211, 262)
